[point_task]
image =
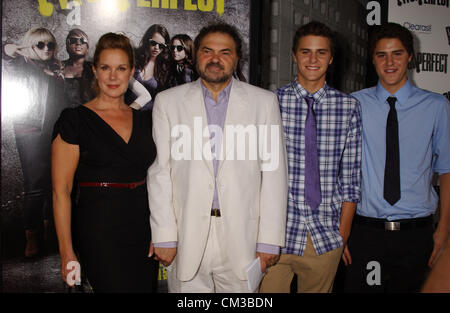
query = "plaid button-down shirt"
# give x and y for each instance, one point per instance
(338, 119)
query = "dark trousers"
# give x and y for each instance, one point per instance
(402, 257)
(34, 152)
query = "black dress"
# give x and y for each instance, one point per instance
(111, 227)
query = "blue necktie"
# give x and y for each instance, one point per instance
(312, 178)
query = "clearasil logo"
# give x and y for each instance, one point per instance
(418, 27)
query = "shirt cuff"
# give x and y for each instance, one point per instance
(267, 248)
(351, 194)
(169, 244)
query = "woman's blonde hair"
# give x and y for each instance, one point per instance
(33, 36)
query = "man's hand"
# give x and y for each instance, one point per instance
(267, 260)
(440, 238)
(345, 226)
(165, 255)
(344, 231)
(346, 257)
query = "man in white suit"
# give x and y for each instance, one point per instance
(218, 187)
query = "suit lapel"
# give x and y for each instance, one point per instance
(236, 114)
(197, 113)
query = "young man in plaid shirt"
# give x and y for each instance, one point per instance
(322, 128)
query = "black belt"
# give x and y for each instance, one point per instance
(215, 212)
(394, 225)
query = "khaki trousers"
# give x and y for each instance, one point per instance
(315, 273)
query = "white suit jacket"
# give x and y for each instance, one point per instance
(252, 190)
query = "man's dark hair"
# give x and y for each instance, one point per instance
(392, 30)
(316, 29)
(224, 29)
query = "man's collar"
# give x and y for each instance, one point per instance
(402, 94)
(302, 92)
(224, 92)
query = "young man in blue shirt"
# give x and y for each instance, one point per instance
(406, 138)
(322, 128)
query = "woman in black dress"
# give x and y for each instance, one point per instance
(108, 147)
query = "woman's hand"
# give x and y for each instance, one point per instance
(70, 270)
(13, 50)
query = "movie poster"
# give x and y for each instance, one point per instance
(47, 50)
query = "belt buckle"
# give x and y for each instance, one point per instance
(392, 226)
(216, 212)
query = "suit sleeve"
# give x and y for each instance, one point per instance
(274, 184)
(159, 183)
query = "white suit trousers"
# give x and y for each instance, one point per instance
(214, 274)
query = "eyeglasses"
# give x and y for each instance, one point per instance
(50, 45)
(161, 46)
(179, 48)
(76, 40)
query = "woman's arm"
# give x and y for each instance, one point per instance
(143, 96)
(65, 158)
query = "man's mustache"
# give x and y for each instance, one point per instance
(218, 65)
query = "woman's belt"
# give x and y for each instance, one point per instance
(112, 185)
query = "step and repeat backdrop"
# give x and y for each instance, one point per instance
(429, 21)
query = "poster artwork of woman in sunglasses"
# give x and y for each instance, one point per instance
(38, 47)
(34, 79)
(78, 75)
(153, 62)
(182, 49)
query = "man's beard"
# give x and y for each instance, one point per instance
(220, 79)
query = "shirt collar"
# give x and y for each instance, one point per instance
(302, 92)
(224, 94)
(402, 94)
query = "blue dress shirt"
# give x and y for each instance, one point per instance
(424, 141)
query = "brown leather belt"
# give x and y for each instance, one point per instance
(215, 212)
(112, 185)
